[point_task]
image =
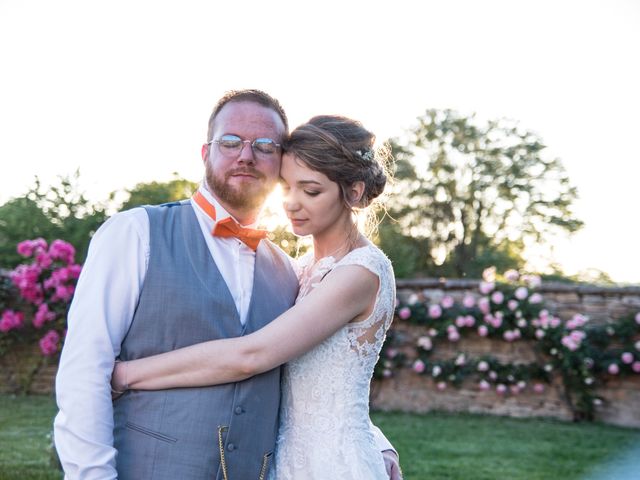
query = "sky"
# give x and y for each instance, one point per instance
(122, 89)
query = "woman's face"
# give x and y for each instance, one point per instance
(312, 202)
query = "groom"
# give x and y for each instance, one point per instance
(160, 278)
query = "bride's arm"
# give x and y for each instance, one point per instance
(346, 294)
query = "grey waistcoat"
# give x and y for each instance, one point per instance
(178, 434)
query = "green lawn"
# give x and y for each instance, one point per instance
(432, 447)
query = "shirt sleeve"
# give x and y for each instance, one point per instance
(98, 320)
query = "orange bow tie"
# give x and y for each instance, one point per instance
(228, 227)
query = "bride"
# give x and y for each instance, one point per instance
(331, 338)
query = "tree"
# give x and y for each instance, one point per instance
(473, 192)
(155, 193)
(60, 211)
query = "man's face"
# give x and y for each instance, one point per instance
(243, 180)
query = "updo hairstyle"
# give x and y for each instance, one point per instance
(342, 149)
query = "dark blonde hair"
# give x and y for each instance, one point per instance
(343, 150)
(250, 95)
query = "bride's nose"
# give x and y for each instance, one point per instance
(289, 203)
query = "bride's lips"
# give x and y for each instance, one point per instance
(296, 222)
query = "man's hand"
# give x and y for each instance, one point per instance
(392, 463)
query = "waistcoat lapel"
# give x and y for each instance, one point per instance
(205, 268)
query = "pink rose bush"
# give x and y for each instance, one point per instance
(579, 354)
(44, 288)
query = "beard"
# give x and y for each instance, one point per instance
(251, 196)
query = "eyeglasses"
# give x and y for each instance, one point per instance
(232, 145)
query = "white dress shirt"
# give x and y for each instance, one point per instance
(100, 316)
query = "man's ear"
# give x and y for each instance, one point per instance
(355, 192)
(204, 152)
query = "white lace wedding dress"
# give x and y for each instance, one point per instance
(325, 431)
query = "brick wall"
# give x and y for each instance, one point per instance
(408, 391)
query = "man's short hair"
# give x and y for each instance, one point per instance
(250, 95)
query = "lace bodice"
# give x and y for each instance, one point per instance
(324, 416)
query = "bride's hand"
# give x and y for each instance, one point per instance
(119, 379)
(392, 464)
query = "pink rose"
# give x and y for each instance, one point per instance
(497, 297)
(447, 301)
(539, 334)
(484, 305)
(391, 353)
(511, 275)
(638, 318)
(49, 343)
(483, 331)
(468, 301)
(461, 321)
(627, 358)
(418, 366)
(569, 343)
(486, 287)
(501, 389)
(435, 311)
(483, 366)
(44, 260)
(61, 250)
(484, 385)
(636, 367)
(613, 369)
(578, 335)
(521, 293)
(11, 320)
(425, 343)
(25, 248)
(470, 321)
(386, 373)
(43, 315)
(39, 245)
(512, 304)
(508, 336)
(441, 385)
(453, 336)
(538, 388)
(404, 313)
(535, 298)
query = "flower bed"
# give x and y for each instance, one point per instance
(502, 343)
(34, 298)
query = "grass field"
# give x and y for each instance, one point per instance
(432, 447)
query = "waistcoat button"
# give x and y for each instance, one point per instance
(239, 410)
(231, 447)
